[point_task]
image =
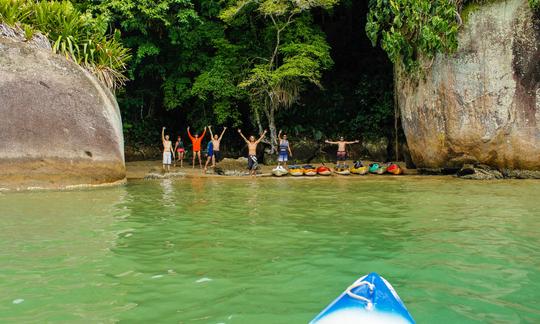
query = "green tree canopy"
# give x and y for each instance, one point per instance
(288, 52)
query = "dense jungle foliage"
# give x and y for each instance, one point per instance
(306, 67)
(303, 66)
(314, 68)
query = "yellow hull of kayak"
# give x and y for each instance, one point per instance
(296, 172)
(343, 171)
(310, 172)
(360, 170)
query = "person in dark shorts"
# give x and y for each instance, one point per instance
(209, 155)
(252, 151)
(216, 141)
(341, 154)
(252, 163)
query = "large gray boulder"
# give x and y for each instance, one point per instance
(482, 103)
(58, 125)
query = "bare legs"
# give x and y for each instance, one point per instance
(166, 168)
(198, 155)
(180, 159)
(208, 159)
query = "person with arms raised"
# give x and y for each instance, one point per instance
(196, 142)
(216, 141)
(284, 149)
(252, 151)
(341, 154)
(168, 152)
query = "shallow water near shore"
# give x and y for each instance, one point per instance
(216, 250)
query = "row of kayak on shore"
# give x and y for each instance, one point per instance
(343, 169)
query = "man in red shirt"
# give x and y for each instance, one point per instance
(196, 142)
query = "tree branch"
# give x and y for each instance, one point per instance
(278, 36)
(278, 40)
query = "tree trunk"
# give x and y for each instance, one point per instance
(258, 119)
(273, 137)
(270, 115)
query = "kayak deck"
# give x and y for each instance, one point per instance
(370, 299)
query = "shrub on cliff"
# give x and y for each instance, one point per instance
(410, 29)
(78, 36)
(535, 4)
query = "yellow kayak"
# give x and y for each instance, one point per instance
(361, 170)
(343, 171)
(296, 170)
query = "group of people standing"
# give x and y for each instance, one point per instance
(213, 154)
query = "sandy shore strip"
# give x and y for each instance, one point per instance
(153, 170)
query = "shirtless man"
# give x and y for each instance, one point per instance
(168, 151)
(341, 152)
(216, 141)
(252, 151)
(196, 142)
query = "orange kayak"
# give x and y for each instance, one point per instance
(394, 169)
(325, 171)
(310, 170)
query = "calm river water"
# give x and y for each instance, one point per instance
(270, 250)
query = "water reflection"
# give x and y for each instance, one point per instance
(168, 192)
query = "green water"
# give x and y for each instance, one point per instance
(270, 250)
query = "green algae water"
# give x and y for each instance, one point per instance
(270, 250)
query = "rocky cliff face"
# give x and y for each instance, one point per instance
(58, 125)
(482, 103)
